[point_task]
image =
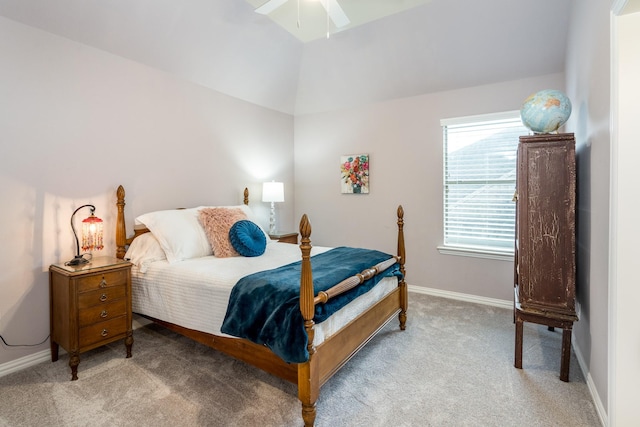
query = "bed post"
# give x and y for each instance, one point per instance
(308, 379)
(404, 297)
(121, 235)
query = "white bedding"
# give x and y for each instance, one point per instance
(194, 293)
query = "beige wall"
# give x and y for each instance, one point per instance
(75, 122)
(588, 86)
(404, 140)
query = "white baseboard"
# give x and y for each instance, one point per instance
(602, 413)
(461, 297)
(45, 355)
(24, 362)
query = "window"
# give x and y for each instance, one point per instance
(479, 183)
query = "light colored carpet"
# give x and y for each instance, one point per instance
(453, 366)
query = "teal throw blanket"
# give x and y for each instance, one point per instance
(264, 307)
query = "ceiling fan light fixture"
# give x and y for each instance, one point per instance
(269, 6)
(334, 11)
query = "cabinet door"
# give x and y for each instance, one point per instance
(546, 223)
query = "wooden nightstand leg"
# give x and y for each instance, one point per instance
(518, 355)
(128, 342)
(566, 355)
(54, 351)
(74, 361)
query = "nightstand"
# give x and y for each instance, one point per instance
(288, 237)
(90, 306)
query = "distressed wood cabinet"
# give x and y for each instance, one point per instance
(545, 268)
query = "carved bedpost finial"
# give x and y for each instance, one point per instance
(305, 227)
(307, 305)
(401, 249)
(246, 196)
(121, 238)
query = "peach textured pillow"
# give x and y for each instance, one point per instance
(216, 223)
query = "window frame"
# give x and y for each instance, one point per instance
(476, 251)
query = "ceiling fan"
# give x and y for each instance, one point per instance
(334, 11)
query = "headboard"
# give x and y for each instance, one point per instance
(122, 241)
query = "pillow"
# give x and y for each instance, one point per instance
(216, 223)
(179, 233)
(144, 250)
(250, 216)
(247, 238)
(253, 218)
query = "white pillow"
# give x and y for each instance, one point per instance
(144, 250)
(179, 233)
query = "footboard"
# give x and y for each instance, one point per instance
(333, 353)
(308, 300)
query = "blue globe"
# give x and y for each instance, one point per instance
(545, 111)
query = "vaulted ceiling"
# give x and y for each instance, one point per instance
(309, 20)
(426, 47)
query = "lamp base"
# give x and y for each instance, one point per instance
(272, 219)
(78, 260)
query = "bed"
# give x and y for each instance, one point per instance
(328, 345)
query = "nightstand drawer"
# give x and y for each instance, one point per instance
(102, 281)
(99, 313)
(101, 296)
(102, 331)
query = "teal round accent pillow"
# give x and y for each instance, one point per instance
(247, 238)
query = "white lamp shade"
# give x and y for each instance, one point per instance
(273, 192)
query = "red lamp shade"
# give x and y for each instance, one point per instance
(92, 233)
(91, 236)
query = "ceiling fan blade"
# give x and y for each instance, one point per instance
(270, 6)
(336, 13)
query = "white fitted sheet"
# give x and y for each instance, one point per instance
(195, 293)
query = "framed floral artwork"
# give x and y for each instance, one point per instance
(354, 174)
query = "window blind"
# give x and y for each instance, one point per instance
(479, 180)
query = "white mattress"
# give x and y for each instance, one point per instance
(194, 293)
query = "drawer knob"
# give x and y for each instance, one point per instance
(104, 333)
(103, 283)
(103, 297)
(103, 314)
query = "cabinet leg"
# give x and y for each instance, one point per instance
(566, 355)
(74, 361)
(518, 355)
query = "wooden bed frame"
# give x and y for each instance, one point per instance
(325, 359)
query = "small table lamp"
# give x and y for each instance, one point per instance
(272, 192)
(91, 235)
